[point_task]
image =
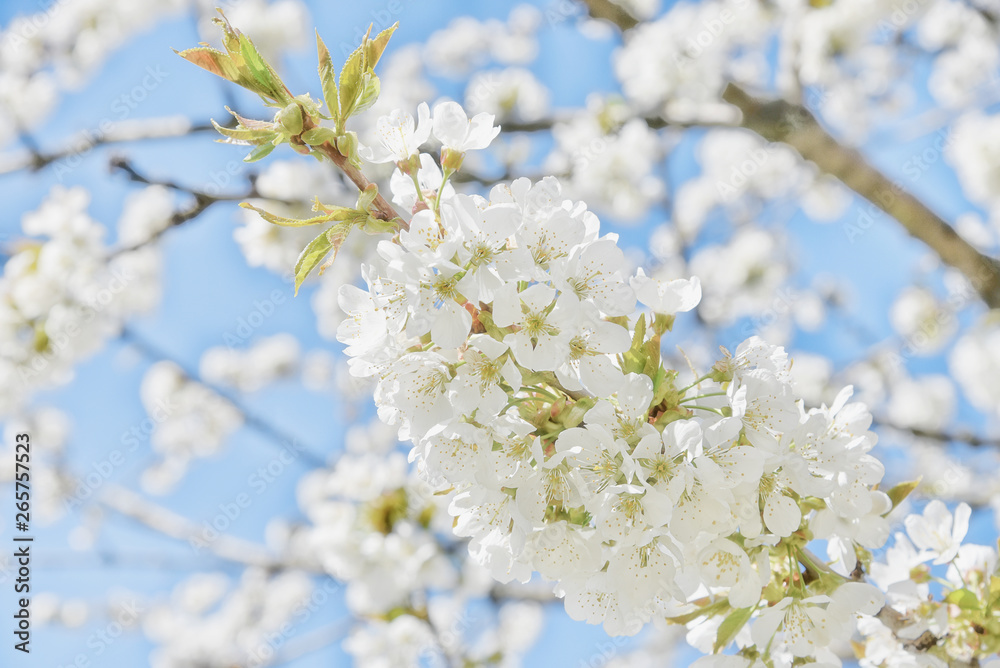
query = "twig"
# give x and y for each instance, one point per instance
(793, 124)
(962, 436)
(610, 11)
(158, 128)
(274, 434)
(128, 503)
(202, 201)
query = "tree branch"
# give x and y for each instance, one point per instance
(84, 142)
(276, 436)
(381, 207)
(793, 124)
(610, 11)
(943, 437)
(168, 523)
(202, 201)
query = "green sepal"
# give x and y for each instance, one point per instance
(899, 492)
(244, 135)
(319, 135)
(260, 152)
(367, 196)
(347, 144)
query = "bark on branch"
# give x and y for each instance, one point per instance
(794, 125)
(610, 11)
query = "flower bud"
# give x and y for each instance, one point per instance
(290, 119)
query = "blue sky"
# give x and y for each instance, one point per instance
(208, 289)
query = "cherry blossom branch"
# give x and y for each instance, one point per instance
(654, 123)
(274, 434)
(127, 131)
(313, 641)
(894, 620)
(381, 208)
(130, 504)
(943, 437)
(794, 125)
(202, 200)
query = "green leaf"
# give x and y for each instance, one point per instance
(964, 599)
(263, 75)
(730, 626)
(213, 61)
(351, 82)
(250, 123)
(898, 493)
(327, 77)
(373, 225)
(573, 415)
(652, 351)
(245, 135)
(634, 359)
(375, 47)
(255, 63)
(260, 152)
(709, 610)
(241, 64)
(370, 89)
(340, 214)
(311, 256)
(230, 35)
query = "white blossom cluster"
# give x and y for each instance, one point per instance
(191, 421)
(65, 294)
(211, 621)
(58, 47)
(266, 361)
(377, 528)
(502, 333)
(931, 553)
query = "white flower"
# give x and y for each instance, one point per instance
(594, 271)
(541, 342)
(807, 627)
(399, 137)
(414, 392)
(936, 531)
(724, 564)
(454, 129)
(589, 364)
(476, 385)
